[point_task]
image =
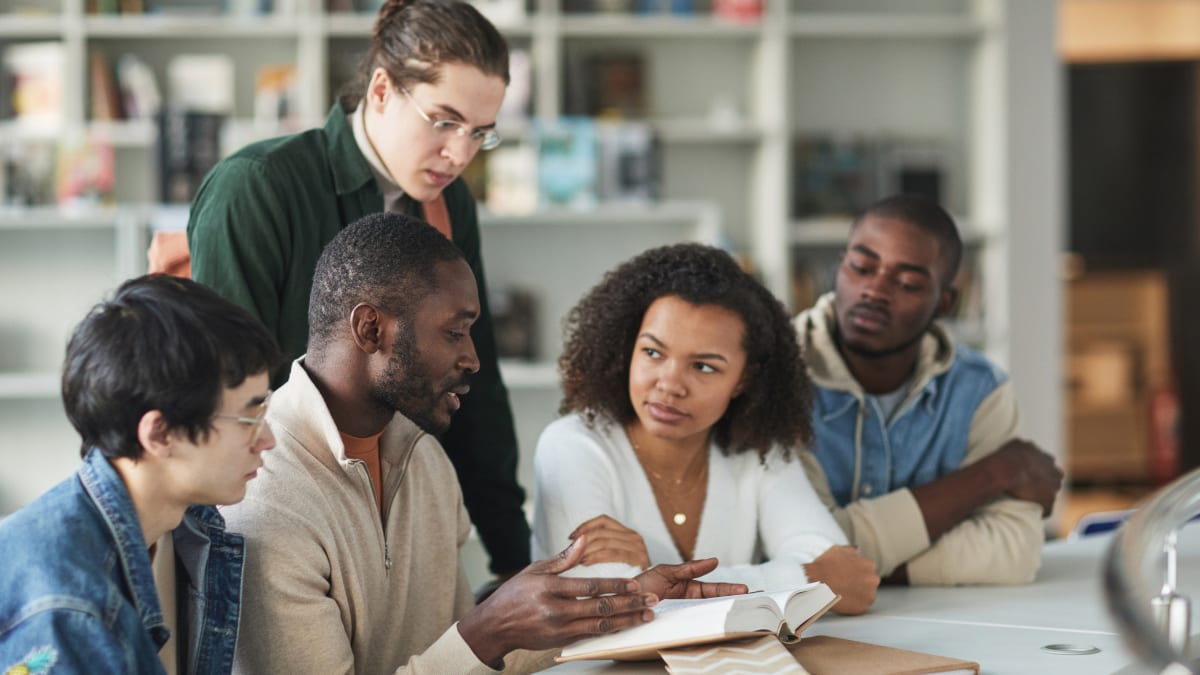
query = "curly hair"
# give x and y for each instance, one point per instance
(601, 332)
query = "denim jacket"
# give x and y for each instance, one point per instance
(959, 408)
(865, 455)
(77, 594)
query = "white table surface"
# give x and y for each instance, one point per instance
(1003, 628)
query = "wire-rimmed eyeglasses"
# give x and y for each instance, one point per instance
(486, 139)
(256, 423)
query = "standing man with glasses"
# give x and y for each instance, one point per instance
(126, 567)
(425, 103)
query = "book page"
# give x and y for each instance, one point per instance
(783, 596)
(760, 611)
(680, 623)
(807, 605)
(673, 620)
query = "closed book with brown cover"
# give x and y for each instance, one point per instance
(824, 655)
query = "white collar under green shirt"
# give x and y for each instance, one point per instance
(393, 194)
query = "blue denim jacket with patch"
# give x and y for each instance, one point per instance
(77, 593)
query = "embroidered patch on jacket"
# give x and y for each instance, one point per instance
(36, 662)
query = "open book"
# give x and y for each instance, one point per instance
(679, 623)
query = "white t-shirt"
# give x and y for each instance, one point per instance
(754, 511)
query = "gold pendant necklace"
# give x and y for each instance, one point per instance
(679, 517)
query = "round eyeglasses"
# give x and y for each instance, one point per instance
(255, 423)
(486, 139)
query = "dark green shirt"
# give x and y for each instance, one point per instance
(257, 227)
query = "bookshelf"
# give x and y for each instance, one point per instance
(727, 101)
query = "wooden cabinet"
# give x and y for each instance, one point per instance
(1118, 355)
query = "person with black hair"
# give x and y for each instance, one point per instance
(354, 529)
(423, 105)
(916, 450)
(167, 385)
(684, 396)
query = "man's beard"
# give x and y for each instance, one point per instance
(408, 389)
(871, 353)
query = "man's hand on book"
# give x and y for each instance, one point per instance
(537, 609)
(610, 541)
(679, 581)
(849, 575)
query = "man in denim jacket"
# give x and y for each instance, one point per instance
(915, 448)
(167, 385)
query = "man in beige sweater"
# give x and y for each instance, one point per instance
(915, 447)
(354, 526)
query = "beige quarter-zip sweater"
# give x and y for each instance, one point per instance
(330, 585)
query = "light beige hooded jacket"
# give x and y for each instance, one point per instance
(1000, 543)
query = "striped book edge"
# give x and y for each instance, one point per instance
(760, 655)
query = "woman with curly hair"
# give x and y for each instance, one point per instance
(684, 395)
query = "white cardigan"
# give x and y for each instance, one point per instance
(754, 511)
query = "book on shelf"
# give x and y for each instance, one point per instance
(665, 6)
(514, 319)
(515, 109)
(738, 10)
(842, 176)
(276, 98)
(566, 161)
(27, 173)
(189, 145)
(912, 166)
(578, 6)
(610, 85)
(511, 182)
(140, 96)
(86, 173)
(177, 6)
(36, 72)
(201, 82)
(683, 623)
(28, 8)
(249, 8)
(610, 6)
(238, 8)
(834, 176)
(101, 7)
(105, 98)
(813, 275)
(629, 162)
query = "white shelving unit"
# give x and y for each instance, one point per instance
(54, 265)
(978, 75)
